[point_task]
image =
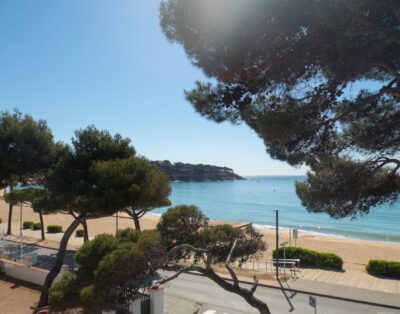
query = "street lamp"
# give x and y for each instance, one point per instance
(277, 242)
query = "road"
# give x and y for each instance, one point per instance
(205, 292)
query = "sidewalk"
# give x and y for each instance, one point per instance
(336, 291)
(352, 278)
(345, 292)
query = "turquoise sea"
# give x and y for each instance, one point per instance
(254, 200)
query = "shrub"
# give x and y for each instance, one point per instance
(1, 220)
(383, 268)
(54, 229)
(312, 258)
(80, 233)
(27, 224)
(37, 226)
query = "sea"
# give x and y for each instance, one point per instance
(255, 200)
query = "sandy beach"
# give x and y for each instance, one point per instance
(355, 253)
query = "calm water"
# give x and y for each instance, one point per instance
(255, 199)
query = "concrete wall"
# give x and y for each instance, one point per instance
(157, 300)
(24, 272)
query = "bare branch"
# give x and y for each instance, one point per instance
(244, 293)
(255, 285)
(388, 68)
(227, 262)
(186, 247)
(182, 270)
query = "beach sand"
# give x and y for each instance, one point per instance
(355, 253)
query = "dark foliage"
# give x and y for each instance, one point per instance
(54, 229)
(133, 258)
(311, 258)
(314, 79)
(79, 233)
(37, 226)
(25, 148)
(382, 268)
(189, 172)
(27, 224)
(152, 190)
(181, 225)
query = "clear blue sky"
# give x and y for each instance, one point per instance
(107, 63)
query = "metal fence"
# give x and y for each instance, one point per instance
(124, 297)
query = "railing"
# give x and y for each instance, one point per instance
(124, 298)
(268, 266)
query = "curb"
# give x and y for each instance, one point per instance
(393, 307)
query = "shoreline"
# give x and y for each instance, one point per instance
(303, 231)
(355, 252)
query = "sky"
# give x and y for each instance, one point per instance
(107, 63)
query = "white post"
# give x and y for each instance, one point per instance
(156, 299)
(20, 231)
(135, 306)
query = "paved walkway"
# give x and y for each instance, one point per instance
(335, 290)
(352, 278)
(349, 278)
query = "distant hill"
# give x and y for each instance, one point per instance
(188, 172)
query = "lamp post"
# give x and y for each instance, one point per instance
(277, 242)
(20, 230)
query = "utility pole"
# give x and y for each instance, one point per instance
(277, 243)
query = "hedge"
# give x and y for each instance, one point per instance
(80, 233)
(383, 268)
(36, 226)
(27, 224)
(54, 229)
(312, 258)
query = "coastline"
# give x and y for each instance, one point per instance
(266, 227)
(355, 252)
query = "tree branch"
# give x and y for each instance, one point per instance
(186, 247)
(255, 285)
(244, 293)
(387, 68)
(182, 270)
(227, 262)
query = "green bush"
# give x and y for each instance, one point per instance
(37, 226)
(27, 224)
(79, 233)
(1, 220)
(54, 229)
(383, 268)
(312, 258)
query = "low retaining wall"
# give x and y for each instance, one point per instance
(26, 273)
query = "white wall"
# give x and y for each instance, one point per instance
(31, 274)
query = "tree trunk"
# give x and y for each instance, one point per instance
(44, 296)
(41, 225)
(244, 293)
(10, 210)
(85, 230)
(136, 221)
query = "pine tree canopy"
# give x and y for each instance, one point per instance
(318, 81)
